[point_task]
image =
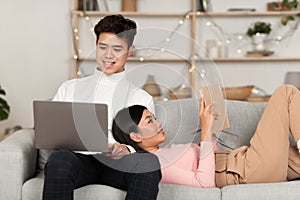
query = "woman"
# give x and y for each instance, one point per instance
(268, 158)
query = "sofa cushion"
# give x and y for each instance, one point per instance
(180, 120)
(32, 189)
(243, 117)
(266, 191)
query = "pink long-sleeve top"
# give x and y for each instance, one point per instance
(188, 164)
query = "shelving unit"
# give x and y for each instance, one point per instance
(253, 59)
(194, 16)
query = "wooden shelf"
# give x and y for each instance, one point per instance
(199, 14)
(242, 59)
(131, 14)
(251, 59)
(246, 13)
(140, 59)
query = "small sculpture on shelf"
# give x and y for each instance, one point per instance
(152, 87)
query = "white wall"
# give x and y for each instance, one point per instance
(36, 51)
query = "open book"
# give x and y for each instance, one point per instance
(213, 93)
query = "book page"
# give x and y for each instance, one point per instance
(213, 93)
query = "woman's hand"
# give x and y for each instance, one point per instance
(207, 119)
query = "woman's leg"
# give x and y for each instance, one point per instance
(294, 163)
(267, 157)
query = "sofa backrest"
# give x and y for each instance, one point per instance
(180, 120)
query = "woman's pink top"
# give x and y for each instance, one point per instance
(188, 164)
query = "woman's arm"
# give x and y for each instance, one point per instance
(207, 119)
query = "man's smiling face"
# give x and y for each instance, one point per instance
(111, 53)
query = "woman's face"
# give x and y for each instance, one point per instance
(111, 53)
(150, 130)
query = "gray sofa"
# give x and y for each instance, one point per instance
(21, 164)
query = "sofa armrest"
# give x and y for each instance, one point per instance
(17, 163)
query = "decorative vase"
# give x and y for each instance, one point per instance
(151, 86)
(129, 5)
(258, 41)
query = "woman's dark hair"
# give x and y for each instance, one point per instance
(123, 27)
(125, 122)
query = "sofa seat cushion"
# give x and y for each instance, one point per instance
(266, 191)
(32, 189)
(180, 192)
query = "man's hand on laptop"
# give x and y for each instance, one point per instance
(118, 150)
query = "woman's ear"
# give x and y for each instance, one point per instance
(135, 137)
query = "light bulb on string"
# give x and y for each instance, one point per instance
(239, 51)
(141, 59)
(75, 57)
(203, 73)
(240, 37)
(208, 23)
(75, 30)
(87, 18)
(192, 68)
(278, 38)
(180, 22)
(187, 16)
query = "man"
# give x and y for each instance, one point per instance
(66, 170)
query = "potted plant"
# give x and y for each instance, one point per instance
(258, 32)
(284, 5)
(289, 4)
(4, 107)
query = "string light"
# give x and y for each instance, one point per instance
(208, 23)
(192, 68)
(203, 73)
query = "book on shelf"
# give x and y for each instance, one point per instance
(92, 5)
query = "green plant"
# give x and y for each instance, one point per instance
(289, 4)
(4, 107)
(259, 27)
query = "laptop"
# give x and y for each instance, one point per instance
(71, 126)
